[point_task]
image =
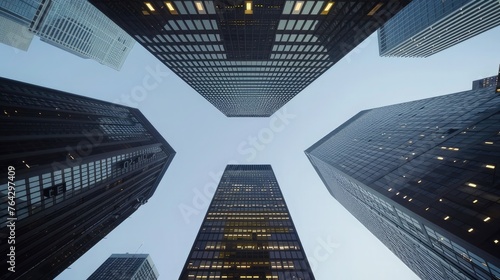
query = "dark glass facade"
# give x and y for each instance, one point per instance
(82, 166)
(126, 267)
(247, 232)
(426, 27)
(486, 82)
(422, 177)
(249, 58)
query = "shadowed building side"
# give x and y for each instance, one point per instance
(247, 232)
(82, 166)
(422, 177)
(126, 267)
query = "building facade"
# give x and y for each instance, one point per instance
(79, 166)
(247, 232)
(249, 58)
(15, 34)
(493, 81)
(422, 177)
(486, 82)
(126, 267)
(426, 27)
(74, 26)
(16, 19)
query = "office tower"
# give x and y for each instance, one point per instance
(247, 232)
(126, 267)
(79, 167)
(486, 82)
(249, 58)
(425, 27)
(422, 177)
(79, 28)
(74, 26)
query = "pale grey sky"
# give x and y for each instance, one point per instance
(337, 245)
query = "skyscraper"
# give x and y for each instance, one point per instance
(426, 27)
(74, 26)
(247, 232)
(486, 82)
(249, 58)
(126, 267)
(422, 177)
(77, 167)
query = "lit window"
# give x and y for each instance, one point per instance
(248, 7)
(375, 9)
(297, 7)
(327, 8)
(150, 6)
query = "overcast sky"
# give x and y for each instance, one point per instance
(337, 245)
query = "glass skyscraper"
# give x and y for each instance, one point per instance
(247, 232)
(126, 267)
(425, 27)
(422, 177)
(249, 58)
(74, 26)
(79, 166)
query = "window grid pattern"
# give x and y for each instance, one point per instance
(78, 27)
(249, 62)
(247, 232)
(39, 192)
(82, 167)
(15, 34)
(429, 162)
(126, 267)
(426, 27)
